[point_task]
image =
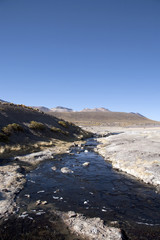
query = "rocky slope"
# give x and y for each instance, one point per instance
(22, 127)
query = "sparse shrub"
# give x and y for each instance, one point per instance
(58, 130)
(10, 128)
(54, 129)
(36, 125)
(3, 138)
(63, 124)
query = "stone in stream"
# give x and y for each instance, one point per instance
(66, 170)
(86, 164)
(27, 195)
(38, 202)
(23, 215)
(54, 168)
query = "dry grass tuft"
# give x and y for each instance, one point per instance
(10, 128)
(36, 125)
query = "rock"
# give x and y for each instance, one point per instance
(55, 197)
(40, 213)
(41, 191)
(86, 164)
(54, 168)
(27, 195)
(104, 210)
(24, 213)
(71, 214)
(66, 170)
(56, 191)
(38, 202)
(90, 228)
(23, 216)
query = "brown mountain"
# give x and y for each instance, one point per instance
(87, 118)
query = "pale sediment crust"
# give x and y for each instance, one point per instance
(90, 228)
(135, 152)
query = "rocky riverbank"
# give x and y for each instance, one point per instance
(134, 151)
(12, 176)
(90, 228)
(12, 173)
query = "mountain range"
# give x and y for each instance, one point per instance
(65, 109)
(96, 116)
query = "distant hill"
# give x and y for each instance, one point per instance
(95, 110)
(56, 109)
(43, 109)
(61, 109)
(3, 101)
(106, 118)
(99, 116)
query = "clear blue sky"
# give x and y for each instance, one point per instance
(81, 53)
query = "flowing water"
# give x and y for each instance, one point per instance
(96, 190)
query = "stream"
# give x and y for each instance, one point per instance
(96, 190)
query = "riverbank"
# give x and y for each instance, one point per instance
(132, 150)
(12, 173)
(12, 176)
(94, 191)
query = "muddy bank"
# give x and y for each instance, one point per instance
(134, 151)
